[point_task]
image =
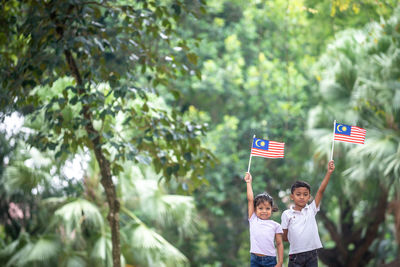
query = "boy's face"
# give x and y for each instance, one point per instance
(300, 196)
(264, 210)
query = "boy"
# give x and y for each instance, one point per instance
(299, 224)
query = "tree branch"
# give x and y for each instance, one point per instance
(330, 226)
(330, 257)
(377, 215)
(104, 164)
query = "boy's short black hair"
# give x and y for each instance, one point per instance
(298, 184)
(264, 197)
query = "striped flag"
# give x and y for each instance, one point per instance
(267, 149)
(347, 133)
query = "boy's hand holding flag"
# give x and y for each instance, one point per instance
(347, 133)
(352, 134)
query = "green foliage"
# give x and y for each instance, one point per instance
(77, 224)
(332, 16)
(257, 78)
(144, 130)
(359, 90)
(155, 76)
(250, 85)
(117, 53)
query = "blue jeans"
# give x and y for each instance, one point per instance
(262, 261)
(304, 259)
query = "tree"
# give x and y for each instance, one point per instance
(255, 60)
(76, 210)
(330, 17)
(127, 45)
(358, 83)
(250, 85)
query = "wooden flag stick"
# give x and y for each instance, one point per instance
(248, 168)
(333, 138)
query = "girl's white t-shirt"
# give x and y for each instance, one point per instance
(262, 235)
(302, 228)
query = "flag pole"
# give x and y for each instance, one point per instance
(333, 138)
(248, 168)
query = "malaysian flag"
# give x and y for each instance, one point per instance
(267, 149)
(347, 133)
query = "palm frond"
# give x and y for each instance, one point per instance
(357, 173)
(322, 141)
(10, 249)
(378, 145)
(154, 247)
(75, 213)
(360, 71)
(19, 258)
(44, 250)
(396, 99)
(102, 251)
(393, 165)
(75, 261)
(41, 253)
(20, 177)
(147, 247)
(164, 209)
(180, 211)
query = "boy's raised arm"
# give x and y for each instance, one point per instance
(250, 196)
(322, 187)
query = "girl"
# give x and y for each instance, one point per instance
(263, 231)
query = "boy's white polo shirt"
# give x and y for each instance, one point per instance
(302, 228)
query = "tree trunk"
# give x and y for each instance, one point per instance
(104, 165)
(394, 208)
(361, 256)
(341, 255)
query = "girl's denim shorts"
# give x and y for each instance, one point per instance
(262, 261)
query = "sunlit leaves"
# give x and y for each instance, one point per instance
(130, 48)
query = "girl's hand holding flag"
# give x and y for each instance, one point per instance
(266, 149)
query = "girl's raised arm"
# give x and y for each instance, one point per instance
(250, 196)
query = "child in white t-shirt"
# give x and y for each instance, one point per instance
(299, 224)
(263, 231)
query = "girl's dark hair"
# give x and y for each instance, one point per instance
(298, 184)
(264, 197)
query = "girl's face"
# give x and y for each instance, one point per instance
(300, 197)
(264, 210)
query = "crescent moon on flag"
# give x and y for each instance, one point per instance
(341, 128)
(257, 142)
